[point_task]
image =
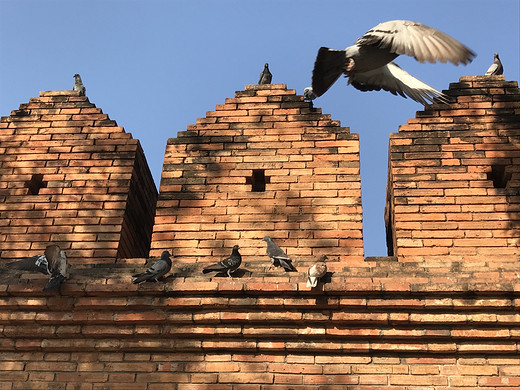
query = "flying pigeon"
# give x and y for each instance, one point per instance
(227, 265)
(308, 94)
(496, 68)
(265, 76)
(52, 262)
(78, 85)
(317, 271)
(369, 65)
(157, 270)
(278, 256)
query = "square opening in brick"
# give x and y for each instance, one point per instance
(499, 176)
(35, 184)
(258, 180)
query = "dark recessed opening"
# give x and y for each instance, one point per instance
(35, 184)
(499, 176)
(258, 180)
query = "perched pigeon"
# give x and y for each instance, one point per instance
(265, 76)
(157, 270)
(227, 265)
(59, 272)
(316, 271)
(53, 262)
(368, 63)
(278, 256)
(496, 68)
(308, 94)
(78, 85)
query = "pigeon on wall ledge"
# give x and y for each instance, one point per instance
(265, 76)
(78, 85)
(228, 265)
(496, 67)
(369, 65)
(317, 271)
(160, 268)
(278, 256)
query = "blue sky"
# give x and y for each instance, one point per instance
(156, 66)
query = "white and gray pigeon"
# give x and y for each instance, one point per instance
(496, 67)
(228, 265)
(52, 262)
(160, 268)
(369, 65)
(265, 76)
(317, 271)
(278, 256)
(78, 85)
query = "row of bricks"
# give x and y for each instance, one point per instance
(143, 344)
(230, 332)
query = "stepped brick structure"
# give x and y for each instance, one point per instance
(263, 163)
(70, 175)
(415, 320)
(454, 177)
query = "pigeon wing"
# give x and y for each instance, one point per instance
(36, 263)
(397, 81)
(329, 65)
(275, 252)
(424, 43)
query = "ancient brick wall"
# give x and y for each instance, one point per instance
(453, 187)
(71, 176)
(404, 322)
(263, 163)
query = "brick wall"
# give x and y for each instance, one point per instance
(311, 203)
(453, 187)
(71, 176)
(383, 325)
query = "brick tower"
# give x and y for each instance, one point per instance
(454, 177)
(71, 176)
(263, 163)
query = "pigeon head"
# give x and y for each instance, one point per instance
(165, 254)
(266, 65)
(323, 258)
(236, 247)
(267, 239)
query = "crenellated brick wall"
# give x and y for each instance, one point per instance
(71, 176)
(310, 202)
(428, 318)
(454, 176)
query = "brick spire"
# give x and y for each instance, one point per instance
(453, 189)
(263, 163)
(71, 176)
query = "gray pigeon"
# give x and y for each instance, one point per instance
(78, 85)
(52, 262)
(59, 272)
(265, 76)
(156, 271)
(278, 256)
(496, 68)
(368, 63)
(317, 271)
(228, 265)
(308, 94)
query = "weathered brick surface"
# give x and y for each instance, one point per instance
(95, 195)
(377, 325)
(454, 177)
(312, 198)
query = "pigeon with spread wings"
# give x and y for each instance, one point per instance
(369, 65)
